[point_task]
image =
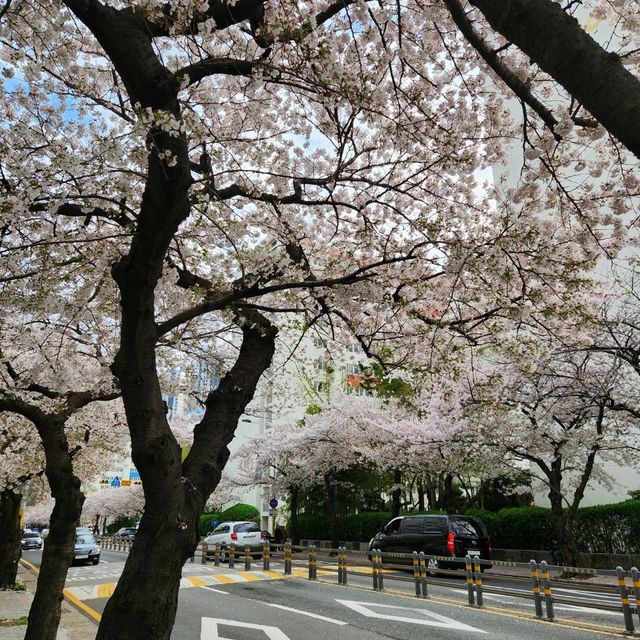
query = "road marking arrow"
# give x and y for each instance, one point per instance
(210, 629)
(393, 612)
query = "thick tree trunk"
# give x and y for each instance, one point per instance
(431, 492)
(10, 537)
(396, 494)
(330, 490)
(557, 43)
(562, 520)
(44, 615)
(294, 493)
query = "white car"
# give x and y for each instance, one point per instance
(241, 534)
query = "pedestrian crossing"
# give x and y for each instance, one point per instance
(105, 590)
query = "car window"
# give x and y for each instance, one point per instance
(467, 528)
(434, 525)
(411, 525)
(393, 526)
(30, 535)
(85, 539)
(246, 527)
(223, 528)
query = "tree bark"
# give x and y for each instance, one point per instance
(558, 45)
(396, 494)
(447, 493)
(420, 490)
(10, 549)
(44, 615)
(330, 489)
(294, 532)
(562, 524)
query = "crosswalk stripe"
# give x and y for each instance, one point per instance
(105, 590)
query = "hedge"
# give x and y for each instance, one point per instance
(240, 511)
(612, 528)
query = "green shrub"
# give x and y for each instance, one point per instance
(204, 523)
(609, 528)
(240, 511)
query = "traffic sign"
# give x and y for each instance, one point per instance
(273, 503)
(115, 482)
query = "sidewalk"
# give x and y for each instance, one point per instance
(15, 604)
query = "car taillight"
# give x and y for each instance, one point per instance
(451, 543)
(234, 536)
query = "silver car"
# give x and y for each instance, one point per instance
(241, 534)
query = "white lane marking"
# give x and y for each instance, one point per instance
(428, 618)
(225, 593)
(304, 613)
(210, 631)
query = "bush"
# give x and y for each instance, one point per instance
(204, 524)
(240, 511)
(610, 528)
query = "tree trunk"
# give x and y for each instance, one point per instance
(44, 615)
(447, 493)
(330, 489)
(294, 532)
(10, 549)
(396, 493)
(431, 492)
(563, 526)
(420, 490)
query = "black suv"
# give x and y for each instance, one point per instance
(444, 536)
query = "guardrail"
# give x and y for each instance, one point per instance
(382, 566)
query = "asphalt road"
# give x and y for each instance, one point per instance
(223, 604)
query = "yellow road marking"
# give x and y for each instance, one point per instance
(92, 613)
(196, 582)
(106, 590)
(224, 580)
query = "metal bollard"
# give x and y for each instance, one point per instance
(340, 567)
(624, 598)
(287, 558)
(535, 585)
(467, 562)
(266, 556)
(216, 554)
(422, 564)
(374, 568)
(312, 563)
(477, 574)
(232, 556)
(546, 583)
(204, 548)
(635, 577)
(416, 573)
(380, 575)
(247, 558)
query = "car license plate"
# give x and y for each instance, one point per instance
(473, 553)
(82, 557)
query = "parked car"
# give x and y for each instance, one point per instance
(126, 533)
(86, 548)
(31, 540)
(44, 533)
(241, 534)
(437, 535)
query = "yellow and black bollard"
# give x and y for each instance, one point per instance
(548, 597)
(247, 558)
(467, 563)
(266, 556)
(416, 573)
(629, 629)
(380, 575)
(287, 559)
(422, 565)
(477, 574)
(232, 556)
(636, 588)
(535, 586)
(216, 554)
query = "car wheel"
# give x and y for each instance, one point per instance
(95, 560)
(432, 567)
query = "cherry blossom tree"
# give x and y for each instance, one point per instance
(246, 161)
(555, 416)
(61, 419)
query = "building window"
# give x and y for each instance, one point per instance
(354, 347)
